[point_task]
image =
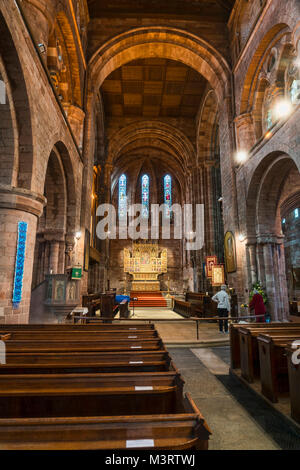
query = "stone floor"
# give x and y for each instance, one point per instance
(239, 420)
(182, 332)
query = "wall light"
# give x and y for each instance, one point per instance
(241, 156)
(78, 235)
(282, 109)
(242, 237)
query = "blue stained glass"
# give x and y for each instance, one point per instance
(145, 196)
(168, 195)
(20, 261)
(122, 197)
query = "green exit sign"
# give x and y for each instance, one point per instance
(76, 273)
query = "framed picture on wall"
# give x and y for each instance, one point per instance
(218, 275)
(210, 261)
(230, 252)
(86, 250)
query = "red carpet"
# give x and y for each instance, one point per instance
(148, 299)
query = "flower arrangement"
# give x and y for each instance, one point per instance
(260, 290)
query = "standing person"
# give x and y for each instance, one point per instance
(223, 307)
(257, 303)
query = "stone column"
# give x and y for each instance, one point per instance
(252, 262)
(268, 252)
(282, 282)
(260, 264)
(16, 205)
(54, 252)
(244, 131)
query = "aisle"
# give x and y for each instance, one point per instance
(238, 419)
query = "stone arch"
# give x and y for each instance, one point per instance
(163, 42)
(252, 76)
(16, 151)
(57, 224)
(269, 193)
(179, 144)
(63, 62)
(206, 127)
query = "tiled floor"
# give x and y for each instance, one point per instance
(239, 420)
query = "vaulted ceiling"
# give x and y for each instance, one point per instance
(217, 9)
(153, 88)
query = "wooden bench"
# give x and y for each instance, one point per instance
(77, 345)
(235, 353)
(77, 327)
(294, 384)
(31, 363)
(273, 363)
(250, 366)
(94, 389)
(181, 431)
(66, 395)
(81, 335)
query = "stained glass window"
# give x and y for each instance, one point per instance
(168, 195)
(295, 92)
(122, 197)
(269, 119)
(145, 196)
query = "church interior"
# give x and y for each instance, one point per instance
(149, 225)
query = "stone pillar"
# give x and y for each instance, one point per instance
(283, 297)
(268, 252)
(260, 264)
(54, 253)
(244, 131)
(16, 205)
(252, 262)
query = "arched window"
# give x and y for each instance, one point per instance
(269, 119)
(168, 195)
(122, 197)
(295, 92)
(145, 196)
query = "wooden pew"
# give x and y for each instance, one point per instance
(76, 398)
(124, 309)
(180, 431)
(86, 362)
(182, 307)
(294, 384)
(273, 363)
(81, 335)
(39, 346)
(250, 366)
(99, 326)
(235, 362)
(105, 302)
(66, 395)
(196, 301)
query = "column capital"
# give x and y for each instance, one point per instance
(270, 239)
(21, 199)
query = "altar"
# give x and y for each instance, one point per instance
(145, 263)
